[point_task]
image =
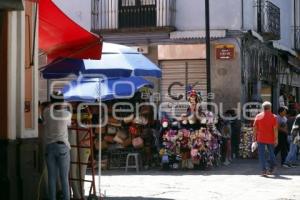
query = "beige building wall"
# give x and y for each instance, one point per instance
(226, 76)
(22, 74)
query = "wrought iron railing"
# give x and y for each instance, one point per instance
(268, 19)
(296, 31)
(133, 14)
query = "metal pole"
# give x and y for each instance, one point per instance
(207, 38)
(259, 16)
(295, 24)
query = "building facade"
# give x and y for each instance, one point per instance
(270, 56)
(249, 40)
(19, 149)
(255, 49)
(78, 10)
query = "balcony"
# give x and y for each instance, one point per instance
(268, 20)
(296, 31)
(132, 15)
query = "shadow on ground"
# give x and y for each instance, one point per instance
(238, 167)
(134, 198)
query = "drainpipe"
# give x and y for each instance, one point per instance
(242, 25)
(295, 24)
(242, 60)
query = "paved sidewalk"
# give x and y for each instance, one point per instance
(240, 180)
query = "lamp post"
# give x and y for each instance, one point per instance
(207, 39)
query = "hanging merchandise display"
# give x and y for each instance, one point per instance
(246, 141)
(191, 148)
(191, 141)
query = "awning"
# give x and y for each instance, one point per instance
(294, 63)
(282, 47)
(11, 5)
(197, 34)
(257, 36)
(59, 36)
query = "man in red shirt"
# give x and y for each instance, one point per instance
(265, 134)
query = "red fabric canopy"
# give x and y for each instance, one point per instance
(59, 36)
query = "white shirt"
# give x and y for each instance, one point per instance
(281, 101)
(56, 124)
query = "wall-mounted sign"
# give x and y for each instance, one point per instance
(224, 51)
(27, 106)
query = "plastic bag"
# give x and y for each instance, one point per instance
(254, 146)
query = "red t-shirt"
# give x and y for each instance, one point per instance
(265, 123)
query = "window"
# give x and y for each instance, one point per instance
(126, 3)
(137, 13)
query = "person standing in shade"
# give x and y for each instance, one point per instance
(56, 122)
(265, 134)
(291, 158)
(235, 134)
(282, 135)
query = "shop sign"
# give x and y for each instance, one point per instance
(225, 51)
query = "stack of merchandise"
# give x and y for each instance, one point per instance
(246, 141)
(114, 136)
(131, 134)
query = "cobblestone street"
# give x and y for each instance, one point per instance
(240, 180)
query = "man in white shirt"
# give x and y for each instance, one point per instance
(56, 122)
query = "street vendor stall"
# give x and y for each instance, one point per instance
(125, 131)
(118, 75)
(192, 141)
(92, 94)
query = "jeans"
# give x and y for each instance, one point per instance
(262, 156)
(282, 147)
(235, 142)
(292, 155)
(58, 160)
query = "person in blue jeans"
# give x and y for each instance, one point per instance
(295, 140)
(265, 134)
(57, 147)
(283, 146)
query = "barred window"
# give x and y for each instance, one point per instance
(126, 3)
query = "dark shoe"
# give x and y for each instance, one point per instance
(264, 173)
(287, 166)
(59, 195)
(271, 171)
(293, 166)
